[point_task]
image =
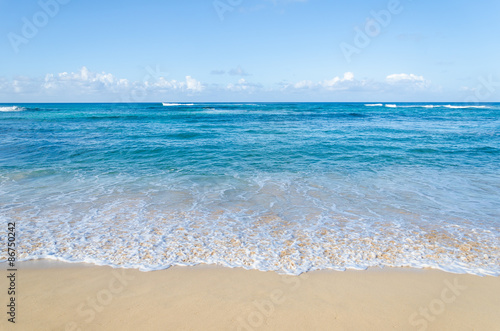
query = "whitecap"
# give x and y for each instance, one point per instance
(166, 104)
(11, 108)
(463, 107)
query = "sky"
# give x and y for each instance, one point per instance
(249, 50)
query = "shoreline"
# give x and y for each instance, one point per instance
(48, 263)
(55, 295)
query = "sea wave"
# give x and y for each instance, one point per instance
(11, 108)
(247, 222)
(373, 105)
(432, 106)
(463, 107)
(177, 104)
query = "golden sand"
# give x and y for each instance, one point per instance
(58, 296)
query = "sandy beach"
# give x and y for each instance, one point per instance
(59, 296)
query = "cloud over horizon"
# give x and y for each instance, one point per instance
(86, 84)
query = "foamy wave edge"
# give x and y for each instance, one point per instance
(454, 269)
(11, 109)
(432, 106)
(166, 104)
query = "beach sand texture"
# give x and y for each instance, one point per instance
(59, 296)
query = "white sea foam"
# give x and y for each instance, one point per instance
(373, 105)
(429, 106)
(11, 109)
(417, 106)
(410, 106)
(413, 106)
(463, 107)
(177, 104)
(282, 223)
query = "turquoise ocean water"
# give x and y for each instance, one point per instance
(288, 187)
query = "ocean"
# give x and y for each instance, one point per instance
(288, 187)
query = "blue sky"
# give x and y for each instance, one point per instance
(249, 50)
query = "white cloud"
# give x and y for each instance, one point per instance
(408, 81)
(161, 83)
(193, 85)
(393, 85)
(394, 78)
(95, 86)
(243, 85)
(20, 85)
(304, 84)
(86, 82)
(336, 83)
